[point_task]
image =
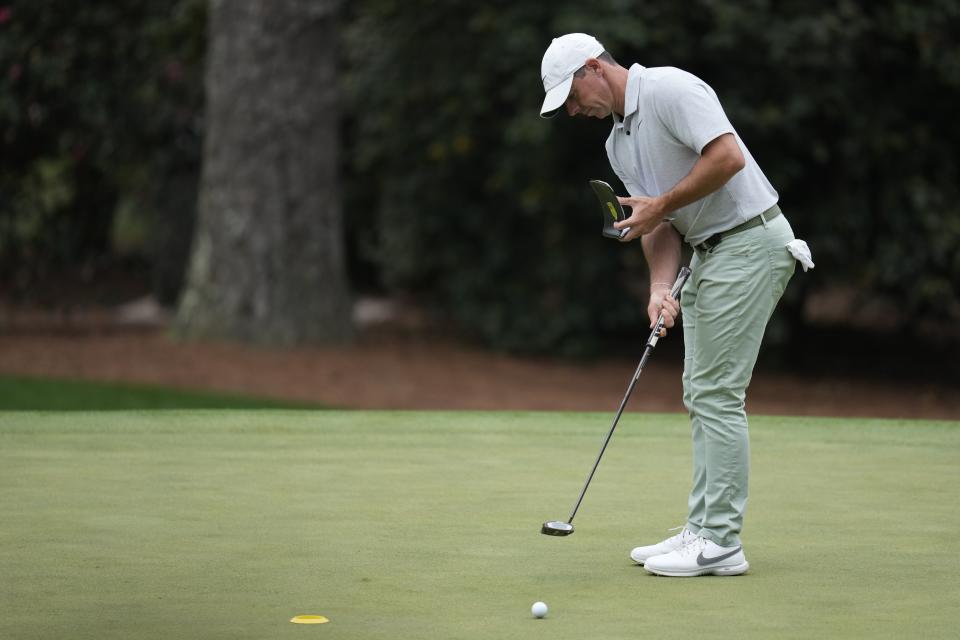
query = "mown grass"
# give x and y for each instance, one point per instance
(225, 524)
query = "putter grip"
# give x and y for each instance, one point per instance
(675, 294)
(681, 280)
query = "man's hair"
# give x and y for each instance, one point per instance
(605, 56)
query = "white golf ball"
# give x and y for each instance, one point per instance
(539, 609)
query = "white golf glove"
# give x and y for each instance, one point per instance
(799, 250)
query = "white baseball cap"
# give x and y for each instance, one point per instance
(563, 58)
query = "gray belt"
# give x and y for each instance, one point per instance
(755, 221)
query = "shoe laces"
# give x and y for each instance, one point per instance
(685, 536)
(694, 546)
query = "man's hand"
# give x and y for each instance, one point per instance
(645, 215)
(720, 160)
(662, 302)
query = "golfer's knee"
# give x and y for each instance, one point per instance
(719, 401)
(688, 400)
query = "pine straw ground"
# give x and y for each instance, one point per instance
(415, 368)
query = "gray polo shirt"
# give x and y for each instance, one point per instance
(669, 117)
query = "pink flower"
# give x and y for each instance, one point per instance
(5, 14)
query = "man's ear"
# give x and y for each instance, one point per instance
(594, 65)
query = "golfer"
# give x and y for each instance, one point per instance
(691, 179)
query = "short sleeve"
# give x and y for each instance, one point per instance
(690, 110)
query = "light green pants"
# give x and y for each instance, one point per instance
(726, 304)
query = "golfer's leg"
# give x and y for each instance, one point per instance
(740, 285)
(695, 503)
(717, 396)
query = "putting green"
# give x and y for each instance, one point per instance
(226, 524)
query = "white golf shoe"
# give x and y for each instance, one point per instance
(699, 557)
(673, 543)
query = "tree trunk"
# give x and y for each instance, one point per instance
(267, 263)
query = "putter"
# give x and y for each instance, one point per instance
(610, 209)
(559, 528)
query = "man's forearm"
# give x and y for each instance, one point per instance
(661, 248)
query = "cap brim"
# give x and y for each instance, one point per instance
(555, 98)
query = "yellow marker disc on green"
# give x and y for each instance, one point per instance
(308, 620)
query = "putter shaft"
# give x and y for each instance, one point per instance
(651, 344)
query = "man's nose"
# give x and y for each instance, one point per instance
(572, 108)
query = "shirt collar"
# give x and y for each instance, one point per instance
(631, 95)
(632, 92)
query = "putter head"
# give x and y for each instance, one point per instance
(556, 528)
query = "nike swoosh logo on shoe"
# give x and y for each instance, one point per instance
(702, 561)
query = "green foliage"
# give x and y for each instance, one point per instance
(854, 120)
(476, 204)
(483, 207)
(99, 109)
(477, 200)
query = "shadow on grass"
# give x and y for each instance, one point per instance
(44, 394)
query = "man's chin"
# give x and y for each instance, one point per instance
(595, 113)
